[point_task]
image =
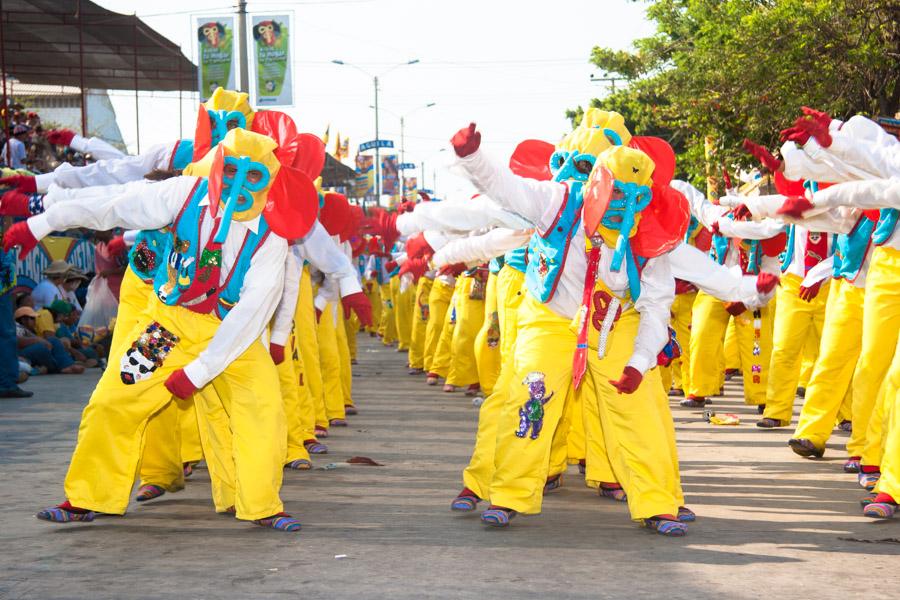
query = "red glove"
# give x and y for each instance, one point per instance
(809, 293)
(23, 183)
(715, 229)
(15, 204)
(466, 141)
(359, 304)
(276, 351)
(19, 235)
(766, 282)
(795, 206)
(735, 308)
(742, 213)
(817, 124)
(629, 381)
(684, 287)
(455, 269)
(417, 247)
(406, 207)
(60, 137)
(180, 385)
(116, 246)
(415, 267)
(762, 155)
(775, 245)
(390, 265)
(795, 134)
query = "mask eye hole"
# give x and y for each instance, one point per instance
(617, 194)
(560, 161)
(254, 176)
(232, 124)
(584, 166)
(229, 171)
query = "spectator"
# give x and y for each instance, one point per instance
(9, 364)
(63, 326)
(53, 286)
(46, 354)
(110, 259)
(13, 152)
(75, 279)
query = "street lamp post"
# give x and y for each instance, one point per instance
(377, 149)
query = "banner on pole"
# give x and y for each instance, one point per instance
(215, 55)
(410, 189)
(272, 60)
(365, 176)
(390, 176)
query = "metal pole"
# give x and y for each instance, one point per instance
(242, 45)
(6, 120)
(137, 106)
(81, 71)
(424, 187)
(377, 151)
(402, 143)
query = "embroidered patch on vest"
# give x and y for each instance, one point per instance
(147, 353)
(531, 415)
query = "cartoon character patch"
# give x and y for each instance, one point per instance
(543, 267)
(424, 311)
(531, 415)
(493, 332)
(147, 353)
(176, 268)
(478, 290)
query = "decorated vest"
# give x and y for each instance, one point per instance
(517, 259)
(787, 257)
(184, 255)
(850, 249)
(692, 227)
(146, 255)
(495, 265)
(750, 253)
(547, 251)
(887, 223)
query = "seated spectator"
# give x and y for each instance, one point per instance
(48, 355)
(53, 286)
(75, 288)
(65, 328)
(13, 152)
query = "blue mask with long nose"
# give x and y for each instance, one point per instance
(218, 121)
(572, 165)
(237, 191)
(620, 216)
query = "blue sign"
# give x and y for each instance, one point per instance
(429, 192)
(405, 166)
(376, 144)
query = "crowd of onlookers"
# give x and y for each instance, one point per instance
(26, 144)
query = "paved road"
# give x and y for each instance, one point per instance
(769, 522)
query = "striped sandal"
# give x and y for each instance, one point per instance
(582, 466)
(553, 484)
(496, 516)
(301, 464)
(694, 402)
(66, 513)
(315, 447)
(852, 464)
(466, 501)
(432, 379)
(882, 506)
(665, 525)
(281, 522)
(149, 492)
(867, 499)
(869, 480)
(338, 422)
(805, 448)
(612, 491)
(188, 468)
(350, 410)
(321, 432)
(686, 515)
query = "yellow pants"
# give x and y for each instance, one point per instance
(438, 303)
(440, 360)
(487, 342)
(810, 354)
(463, 370)
(351, 327)
(388, 328)
(889, 483)
(708, 327)
(330, 359)
(838, 352)
(344, 355)
(290, 397)
(103, 466)
(677, 375)
(402, 312)
(420, 317)
(881, 324)
(477, 476)
(373, 293)
(308, 343)
(625, 434)
(796, 322)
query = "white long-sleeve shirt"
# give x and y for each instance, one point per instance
(96, 147)
(863, 144)
(726, 284)
(110, 171)
(157, 205)
(460, 216)
(539, 202)
(477, 249)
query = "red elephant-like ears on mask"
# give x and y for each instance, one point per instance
(334, 213)
(292, 204)
(281, 128)
(310, 155)
(215, 181)
(660, 151)
(663, 223)
(788, 187)
(202, 135)
(531, 159)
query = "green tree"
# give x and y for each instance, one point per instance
(732, 69)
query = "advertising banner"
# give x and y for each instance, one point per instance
(215, 55)
(365, 176)
(272, 60)
(410, 189)
(390, 176)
